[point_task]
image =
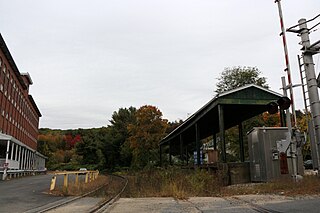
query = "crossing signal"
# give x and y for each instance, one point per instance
(272, 107)
(282, 103)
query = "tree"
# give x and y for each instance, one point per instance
(90, 148)
(120, 153)
(232, 78)
(145, 135)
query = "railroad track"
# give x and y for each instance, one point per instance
(250, 205)
(106, 204)
(93, 205)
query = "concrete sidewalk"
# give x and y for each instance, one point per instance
(241, 204)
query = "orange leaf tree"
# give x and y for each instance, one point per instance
(145, 135)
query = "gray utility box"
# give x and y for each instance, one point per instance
(269, 153)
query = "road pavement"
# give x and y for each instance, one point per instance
(30, 194)
(26, 193)
(235, 204)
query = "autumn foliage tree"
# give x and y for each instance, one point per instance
(145, 135)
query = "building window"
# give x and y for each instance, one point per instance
(4, 69)
(1, 87)
(0, 62)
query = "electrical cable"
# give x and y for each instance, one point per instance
(314, 26)
(304, 22)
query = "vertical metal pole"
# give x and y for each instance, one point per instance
(311, 82)
(241, 142)
(284, 40)
(222, 133)
(53, 182)
(181, 148)
(170, 154)
(65, 180)
(160, 155)
(198, 144)
(292, 144)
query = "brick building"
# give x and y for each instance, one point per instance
(19, 120)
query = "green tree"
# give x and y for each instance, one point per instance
(91, 149)
(120, 154)
(232, 78)
(145, 135)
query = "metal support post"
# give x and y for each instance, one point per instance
(181, 149)
(198, 144)
(311, 82)
(292, 143)
(53, 182)
(241, 142)
(222, 133)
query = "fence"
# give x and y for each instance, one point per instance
(89, 176)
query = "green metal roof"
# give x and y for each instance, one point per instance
(239, 105)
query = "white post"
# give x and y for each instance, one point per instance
(28, 160)
(6, 162)
(12, 148)
(16, 155)
(19, 159)
(24, 158)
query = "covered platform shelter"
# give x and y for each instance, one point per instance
(224, 111)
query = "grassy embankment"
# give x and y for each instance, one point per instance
(181, 184)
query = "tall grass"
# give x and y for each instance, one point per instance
(172, 182)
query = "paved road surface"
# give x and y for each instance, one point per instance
(19, 195)
(23, 194)
(238, 204)
(30, 193)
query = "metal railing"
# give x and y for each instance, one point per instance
(89, 177)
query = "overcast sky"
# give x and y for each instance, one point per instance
(89, 58)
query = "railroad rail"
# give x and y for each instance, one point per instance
(101, 206)
(250, 205)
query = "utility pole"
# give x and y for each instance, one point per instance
(308, 50)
